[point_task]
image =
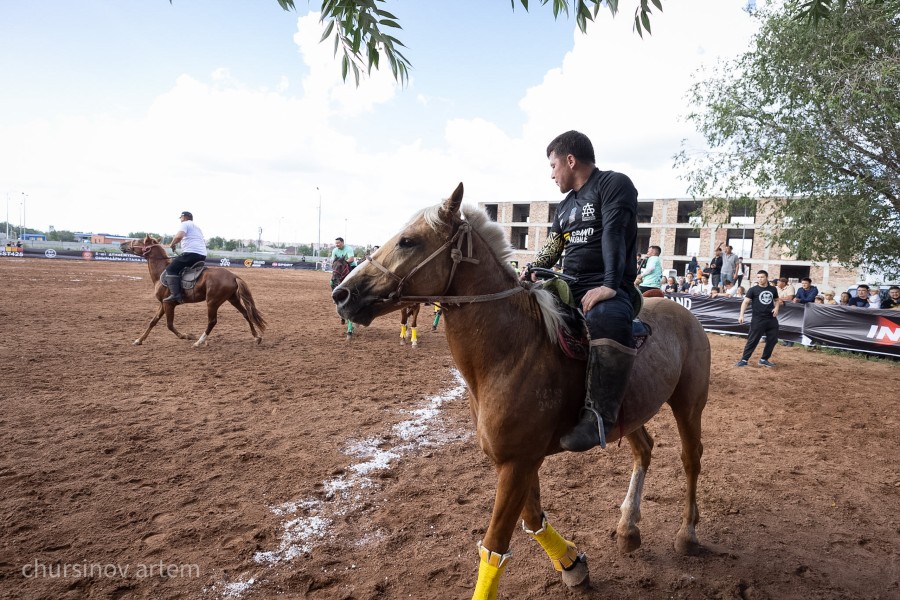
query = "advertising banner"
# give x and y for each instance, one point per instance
(720, 315)
(107, 256)
(868, 330)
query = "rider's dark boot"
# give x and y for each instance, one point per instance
(174, 285)
(608, 372)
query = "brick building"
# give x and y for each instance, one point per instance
(669, 224)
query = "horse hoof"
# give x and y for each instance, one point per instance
(578, 575)
(258, 341)
(415, 344)
(687, 546)
(402, 341)
(136, 343)
(629, 541)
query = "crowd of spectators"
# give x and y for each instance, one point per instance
(724, 274)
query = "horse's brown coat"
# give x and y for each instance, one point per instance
(524, 392)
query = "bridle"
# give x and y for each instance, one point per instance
(461, 253)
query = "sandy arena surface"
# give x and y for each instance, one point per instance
(309, 467)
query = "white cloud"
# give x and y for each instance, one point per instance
(241, 157)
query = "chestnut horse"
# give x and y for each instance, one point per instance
(340, 268)
(524, 391)
(409, 318)
(215, 285)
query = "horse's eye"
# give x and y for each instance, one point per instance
(406, 242)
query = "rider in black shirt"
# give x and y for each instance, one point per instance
(596, 225)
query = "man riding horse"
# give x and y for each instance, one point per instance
(596, 225)
(193, 250)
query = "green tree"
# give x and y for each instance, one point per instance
(810, 115)
(139, 235)
(61, 235)
(215, 243)
(360, 27)
(231, 245)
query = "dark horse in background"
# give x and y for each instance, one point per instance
(215, 285)
(524, 391)
(340, 268)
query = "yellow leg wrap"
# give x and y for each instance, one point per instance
(561, 551)
(489, 571)
(403, 332)
(413, 329)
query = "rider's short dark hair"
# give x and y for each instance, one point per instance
(761, 272)
(339, 239)
(575, 143)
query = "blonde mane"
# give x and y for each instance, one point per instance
(493, 234)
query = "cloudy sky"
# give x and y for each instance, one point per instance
(116, 116)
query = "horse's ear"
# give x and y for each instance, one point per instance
(451, 205)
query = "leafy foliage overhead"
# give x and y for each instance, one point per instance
(362, 29)
(810, 115)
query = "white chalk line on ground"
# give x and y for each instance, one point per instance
(307, 522)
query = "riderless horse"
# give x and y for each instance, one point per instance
(215, 285)
(525, 391)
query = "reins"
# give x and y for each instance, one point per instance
(461, 253)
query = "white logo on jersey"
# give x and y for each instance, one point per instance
(765, 297)
(587, 212)
(581, 236)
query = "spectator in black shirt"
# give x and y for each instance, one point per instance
(764, 321)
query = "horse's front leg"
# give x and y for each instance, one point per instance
(153, 322)
(513, 487)
(564, 555)
(628, 535)
(169, 307)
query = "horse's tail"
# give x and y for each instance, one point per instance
(246, 299)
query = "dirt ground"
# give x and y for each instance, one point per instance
(309, 467)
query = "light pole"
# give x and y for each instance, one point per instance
(22, 231)
(319, 242)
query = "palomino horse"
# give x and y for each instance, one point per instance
(409, 317)
(340, 268)
(215, 285)
(524, 391)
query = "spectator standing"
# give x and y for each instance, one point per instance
(845, 299)
(715, 267)
(685, 284)
(729, 264)
(739, 271)
(786, 291)
(807, 292)
(649, 277)
(693, 266)
(829, 298)
(862, 297)
(764, 322)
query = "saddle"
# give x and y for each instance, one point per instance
(574, 337)
(189, 275)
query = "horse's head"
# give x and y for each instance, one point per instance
(139, 247)
(423, 260)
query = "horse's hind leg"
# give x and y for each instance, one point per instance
(212, 317)
(153, 322)
(571, 565)
(688, 417)
(628, 535)
(413, 320)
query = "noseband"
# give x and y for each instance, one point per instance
(461, 253)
